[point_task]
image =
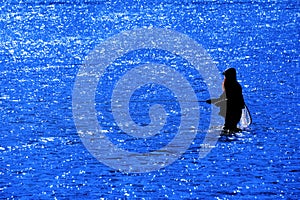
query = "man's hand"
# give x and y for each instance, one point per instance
(208, 101)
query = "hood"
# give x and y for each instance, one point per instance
(230, 74)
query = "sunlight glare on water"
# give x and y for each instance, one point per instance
(43, 46)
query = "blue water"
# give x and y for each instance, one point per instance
(43, 45)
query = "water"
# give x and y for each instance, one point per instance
(43, 46)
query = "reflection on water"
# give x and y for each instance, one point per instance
(42, 49)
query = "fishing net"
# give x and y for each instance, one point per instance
(246, 118)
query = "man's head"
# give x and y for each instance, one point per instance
(230, 74)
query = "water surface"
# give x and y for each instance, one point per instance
(43, 45)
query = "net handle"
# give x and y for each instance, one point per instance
(246, 107)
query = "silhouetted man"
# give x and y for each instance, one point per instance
(231, 102)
